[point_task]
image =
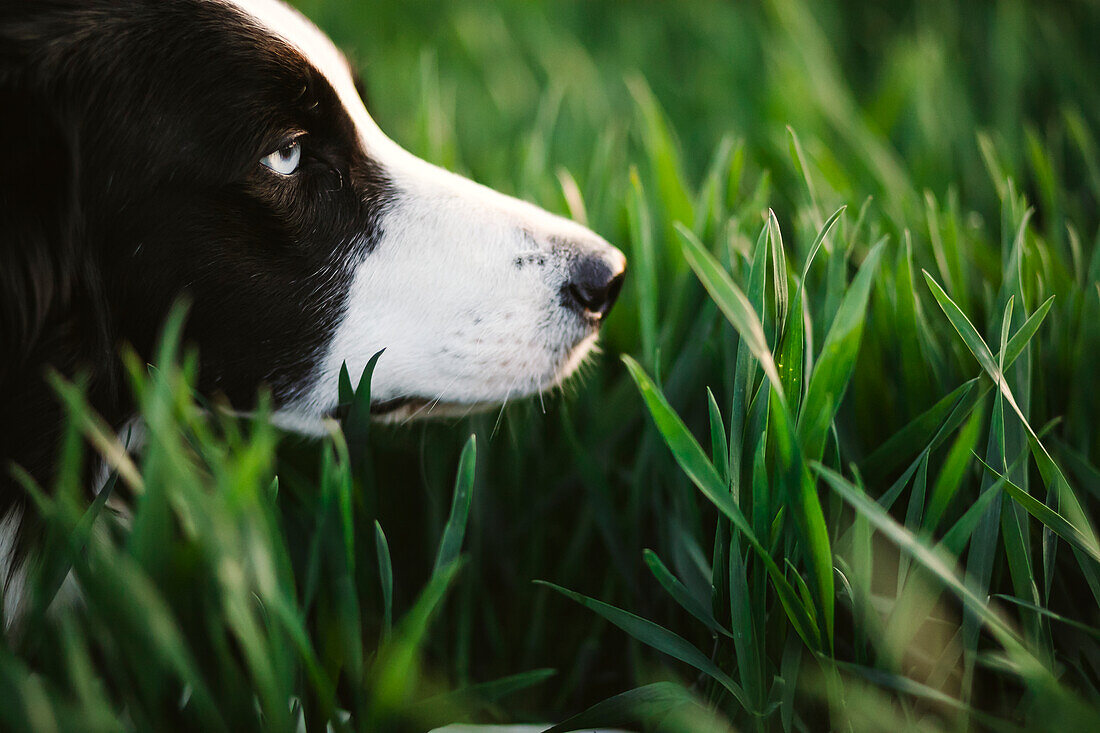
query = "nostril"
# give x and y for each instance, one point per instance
(591, 298)
(594, 287)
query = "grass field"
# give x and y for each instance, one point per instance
(837, 465)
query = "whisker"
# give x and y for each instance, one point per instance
(500, 415)
(430, 405)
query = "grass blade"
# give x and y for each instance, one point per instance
(663, 154)
(694, 463)
(731, 301)
(1050, 518)
(834, 367)
(657, 637)
(644, 266)
(396, 664)
(451, 543)
(357, 422)
(719, 449)
(779, 272)
(649, 703)
(385, 573)
(936, 563)
(1090, 630)
(809, 516)
(745, 369)
(681, 594)
(1052, 475)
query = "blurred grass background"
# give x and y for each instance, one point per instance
(936, 124)
(888, 100)
(898, 87)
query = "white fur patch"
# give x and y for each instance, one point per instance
(463, 288)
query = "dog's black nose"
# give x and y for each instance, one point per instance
(593, 286)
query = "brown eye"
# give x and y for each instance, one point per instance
(285, 160)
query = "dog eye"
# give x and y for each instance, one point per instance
(285, 160)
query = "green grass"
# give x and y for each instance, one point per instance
(847, 476)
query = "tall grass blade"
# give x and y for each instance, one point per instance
(385, 574)
(451, 543)
(1048, 469)
(937, 564)
(657, 637)
(731, 301)
(779, 272)
(745, 368)
(695, 465)
(834, 367)
(1051, 519)
(681, 594)
(663, 154)
(644, 266)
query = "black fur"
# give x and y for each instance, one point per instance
(134, 130)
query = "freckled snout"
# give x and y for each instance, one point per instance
(594, 281)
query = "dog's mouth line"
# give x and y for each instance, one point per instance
(409, 404)
(379, 407)
(385, 407)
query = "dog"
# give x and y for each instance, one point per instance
(220, 150)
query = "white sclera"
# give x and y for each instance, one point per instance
(284, 160)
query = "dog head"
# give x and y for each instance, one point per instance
(218, 149)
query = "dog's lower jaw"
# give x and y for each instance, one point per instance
(313, 420)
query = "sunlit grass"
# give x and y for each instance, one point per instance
(847, 475)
